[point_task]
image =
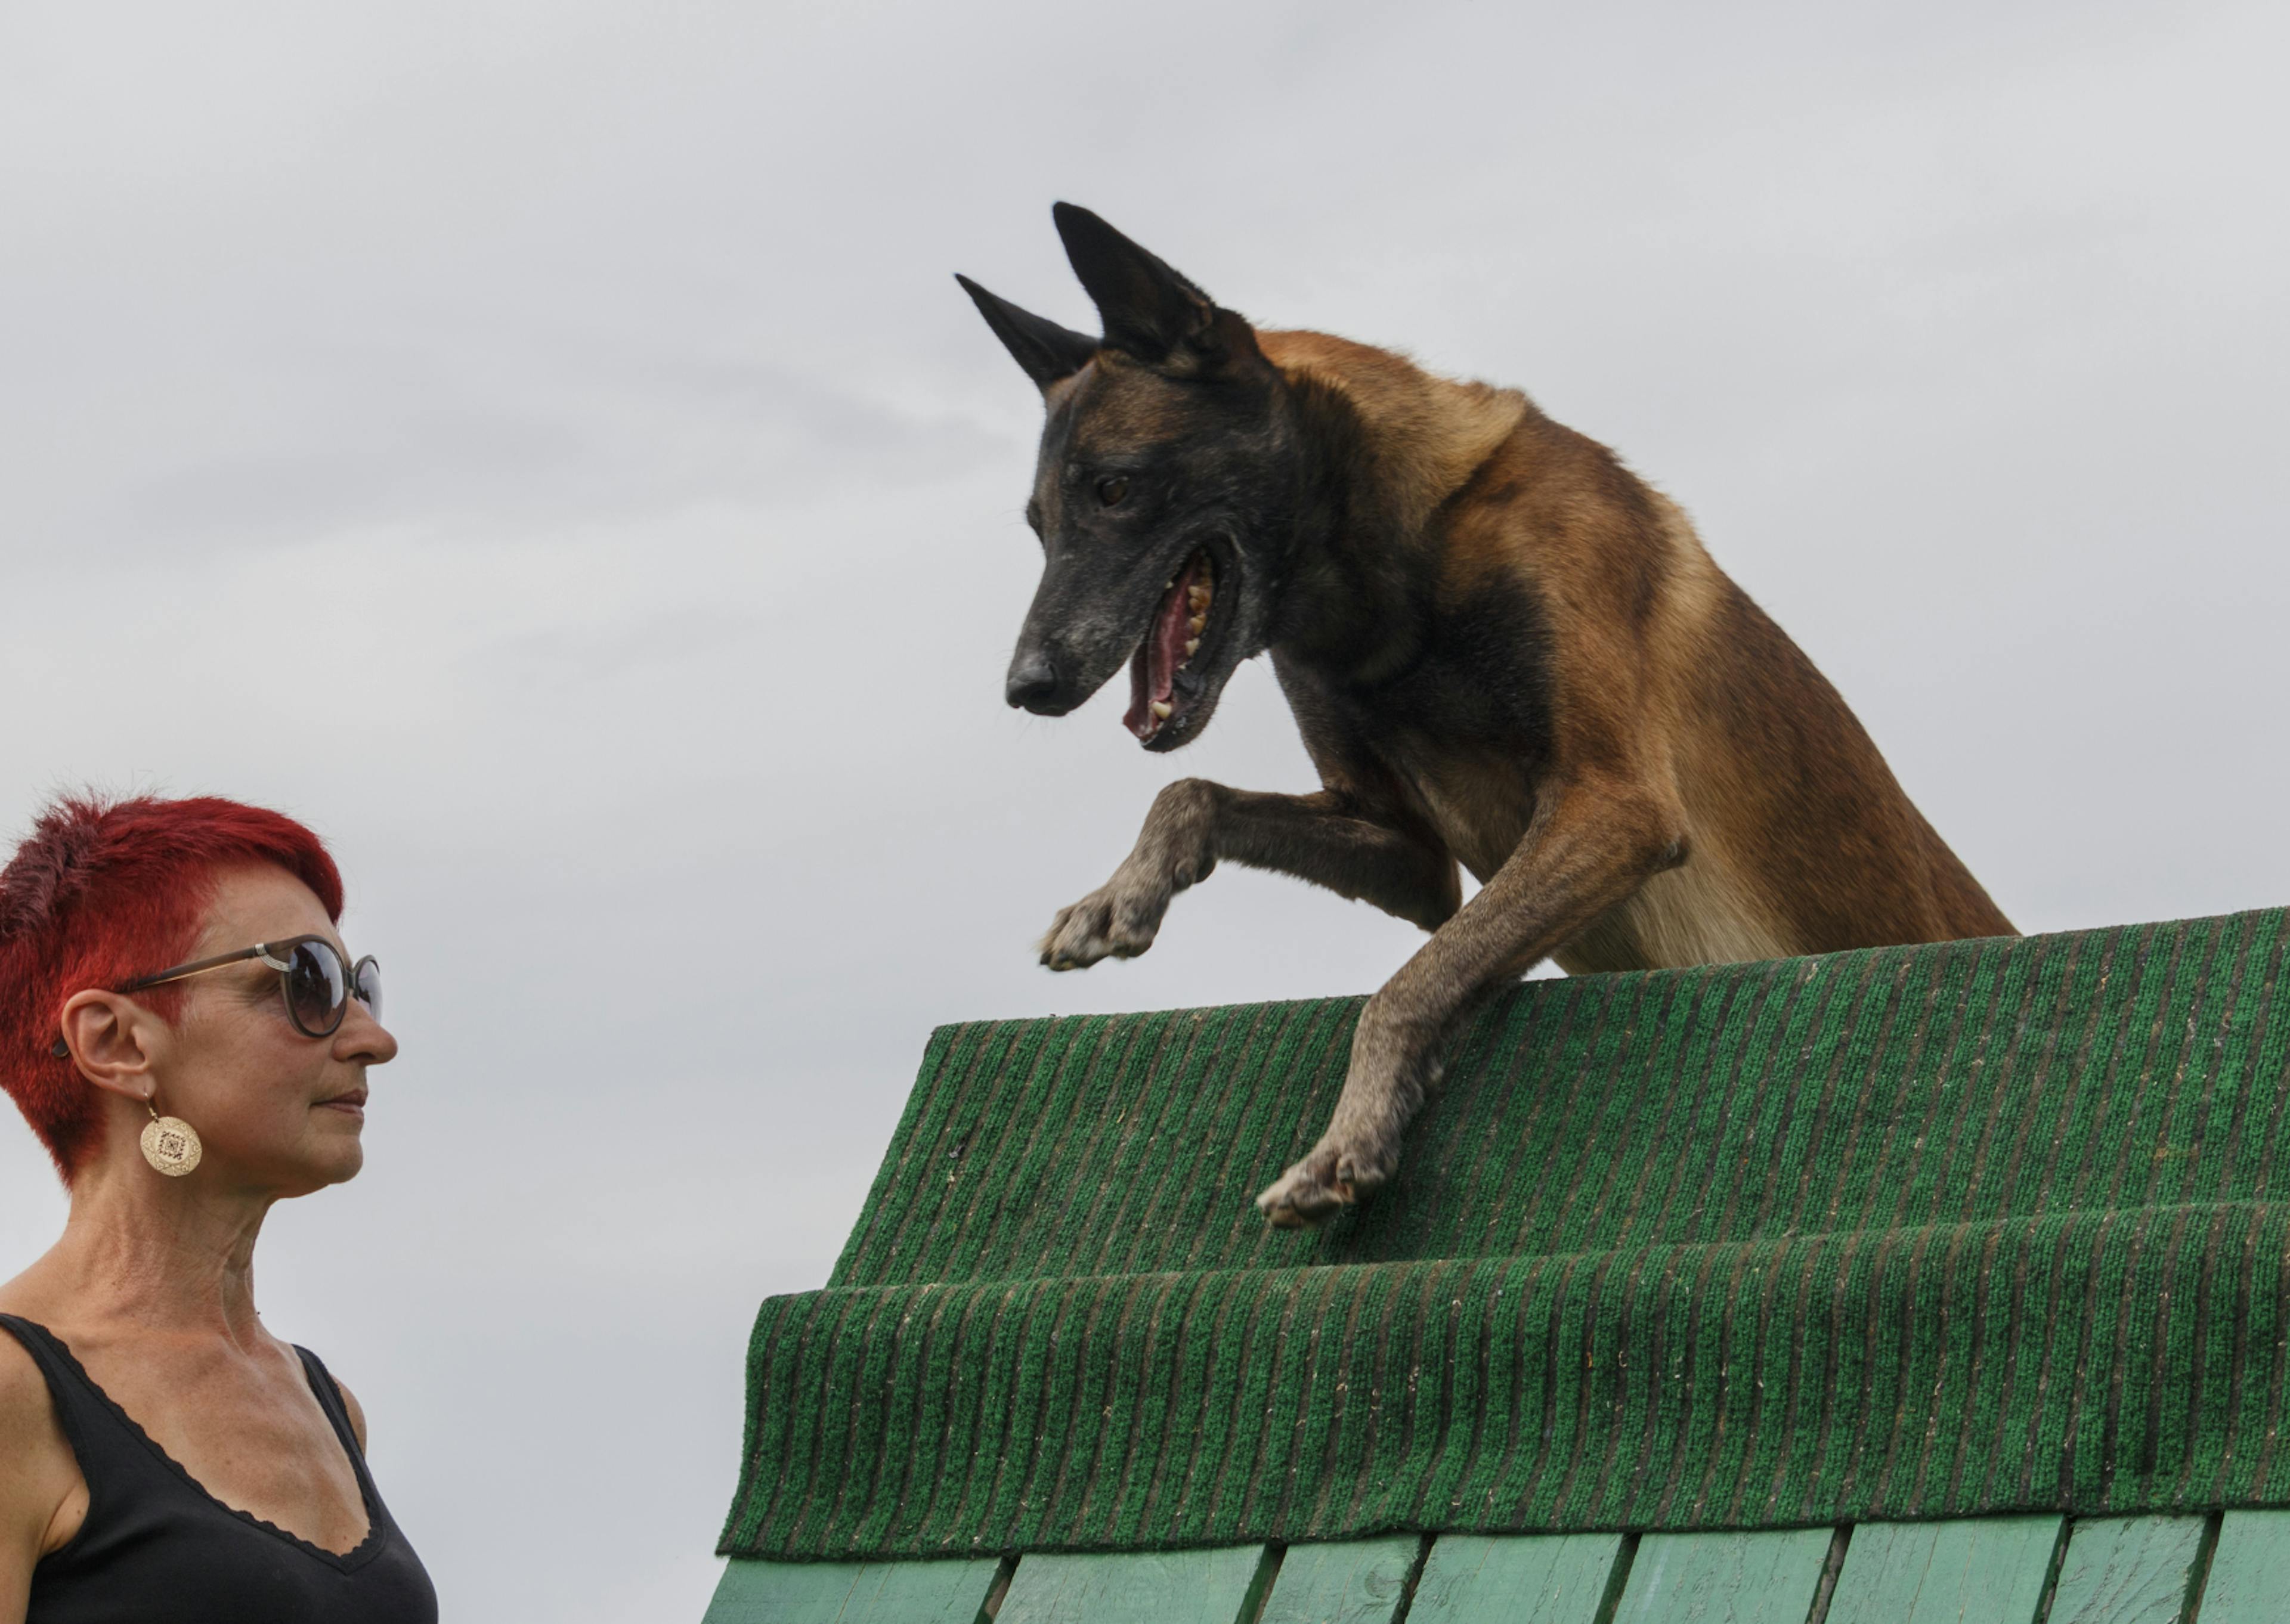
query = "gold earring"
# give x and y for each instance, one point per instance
(171, 1144)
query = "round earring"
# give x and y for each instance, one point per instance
(169, 1144)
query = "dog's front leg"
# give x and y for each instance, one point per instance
(1589, 846)
(1120, 918)
(1329, 837)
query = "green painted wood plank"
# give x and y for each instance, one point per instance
(2127, 1569)
(1515, 1579)
(1766, 1578)
(2249, 1582)
(1985, 1570)
(753, 1592)
(1348, 1582)
(1132, 1587)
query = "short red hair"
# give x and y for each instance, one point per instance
(102, 892)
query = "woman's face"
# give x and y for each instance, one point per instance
(274, 1108)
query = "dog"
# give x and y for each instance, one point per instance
(1502, 650)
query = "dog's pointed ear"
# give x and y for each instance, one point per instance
(1047, 351)
(1150, 310)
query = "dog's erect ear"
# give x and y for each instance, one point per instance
(1047, 351)
(1149, 311)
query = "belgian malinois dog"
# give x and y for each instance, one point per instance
(1502, 650)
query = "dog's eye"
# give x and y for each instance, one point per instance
(1111, 489)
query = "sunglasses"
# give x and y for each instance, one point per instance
(316, 985)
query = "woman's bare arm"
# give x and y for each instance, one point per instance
(42, 1499)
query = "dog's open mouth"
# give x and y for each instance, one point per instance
(1162, 689)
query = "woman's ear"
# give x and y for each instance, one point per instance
(111, 1038)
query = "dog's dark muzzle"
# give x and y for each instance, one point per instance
(1035, 684)
(1072, 641)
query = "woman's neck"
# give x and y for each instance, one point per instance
(170, 1255)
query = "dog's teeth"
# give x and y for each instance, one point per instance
(1192, 648)
(1161, 710)
(1198, 624)
(1198, 596)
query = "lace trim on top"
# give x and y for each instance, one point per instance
(356, 1557)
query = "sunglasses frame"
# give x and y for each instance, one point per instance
(271, 953)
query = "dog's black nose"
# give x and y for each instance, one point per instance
(1033, 683)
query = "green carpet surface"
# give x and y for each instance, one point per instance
(1908, 1233)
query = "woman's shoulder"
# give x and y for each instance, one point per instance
(39, 1476)
(28, 1424)
(352, 1411)
(23, 1389)
(25, 1406)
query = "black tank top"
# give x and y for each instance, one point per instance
(156, 1546)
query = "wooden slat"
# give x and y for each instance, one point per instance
(2127, 1569)
(1724, 1578)
(1142, 1587)
(2249, 1580)
(1351, 1581)
(851, 1592)
(1986, 1570)
(1515, 1579)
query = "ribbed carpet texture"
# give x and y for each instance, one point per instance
(1914, 1232)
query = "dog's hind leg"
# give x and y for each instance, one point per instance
(1328, 839)
(1588, 848)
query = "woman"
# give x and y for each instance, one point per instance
(182, 1028)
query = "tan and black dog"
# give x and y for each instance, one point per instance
(1501, 648)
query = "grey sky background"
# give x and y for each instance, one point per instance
(542, 447)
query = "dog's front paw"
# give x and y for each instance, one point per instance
(1335, 1175)
(1119, 920)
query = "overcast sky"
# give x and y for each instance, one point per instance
(542, 447)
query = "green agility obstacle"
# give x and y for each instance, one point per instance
(1948, 1280)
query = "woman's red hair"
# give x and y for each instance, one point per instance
(102, 892)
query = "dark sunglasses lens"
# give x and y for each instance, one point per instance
(368, 979)
(317, 987)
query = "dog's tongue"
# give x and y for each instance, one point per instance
(1153, 668)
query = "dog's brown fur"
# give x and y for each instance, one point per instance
(1501, 648)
